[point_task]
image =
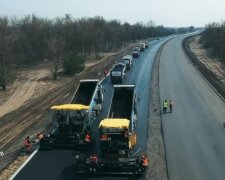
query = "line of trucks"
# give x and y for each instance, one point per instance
(118, 72)
(75, 128)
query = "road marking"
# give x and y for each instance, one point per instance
(1, 153)
(24, 164)
(66, 95)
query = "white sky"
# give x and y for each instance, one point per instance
(170, 13)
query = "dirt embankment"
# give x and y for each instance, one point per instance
(31, 83)
(211, 68)
(28, 85)
(34, 115)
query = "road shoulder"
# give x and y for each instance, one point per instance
(156, 149)
(205, 65)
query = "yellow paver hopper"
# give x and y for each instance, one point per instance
(70, 107)
(114, 123)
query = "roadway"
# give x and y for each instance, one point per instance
(194, 134)
(60, 164)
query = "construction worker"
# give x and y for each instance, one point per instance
(87, 138)
(39, 136)
(171, 105)
(27, 145)
(94, 159)
(165, 106)
(144, 161)
(125, 133)
(105, 72)
(104, 137)
(100, 130)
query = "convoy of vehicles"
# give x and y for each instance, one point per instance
(74, 121)
(117, 138)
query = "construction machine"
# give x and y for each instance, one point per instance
(117, 138)
(74, 121)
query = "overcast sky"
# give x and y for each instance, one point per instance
(172, 13)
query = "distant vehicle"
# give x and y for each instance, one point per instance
(121, 62)
(146, 44)
(136, 52)
(128, 60)
(118, 73)
(142, 46)
(75, 120)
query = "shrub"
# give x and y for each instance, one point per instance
(73, 64)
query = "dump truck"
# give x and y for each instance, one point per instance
(74, 121)
(118, 73)
(89, 93)
(128, 60)
(146, 44)
(136, 52)
(142, 46)
(119, 154)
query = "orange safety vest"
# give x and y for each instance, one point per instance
(27, 144)
(40, 136)
(104, 137)
(88, 138)
(105, 72)
(93, 159)
(144, 162)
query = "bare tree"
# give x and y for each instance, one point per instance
(6, 40)
(56, 48)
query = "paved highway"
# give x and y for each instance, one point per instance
(60, 164)
(194, 135)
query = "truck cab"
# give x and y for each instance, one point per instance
(118, 73)
(136, 52)
(128, 60)
(146, 44)
(142, 46)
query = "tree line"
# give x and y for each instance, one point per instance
(213, 39)
(64, 41)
